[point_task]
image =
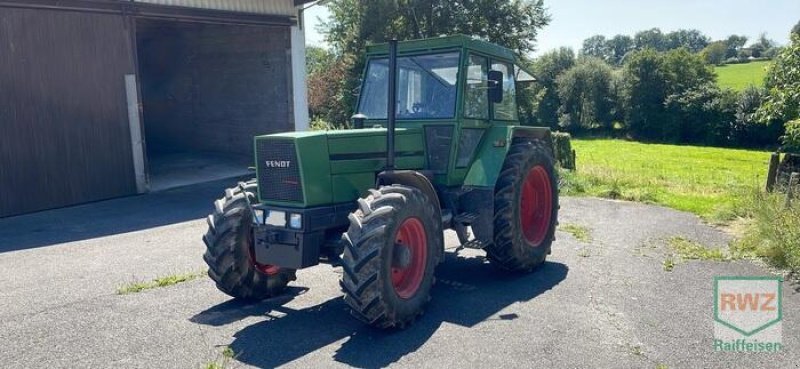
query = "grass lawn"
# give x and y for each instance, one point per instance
(702, 180)
(739, 76)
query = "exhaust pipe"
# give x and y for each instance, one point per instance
(391, 110)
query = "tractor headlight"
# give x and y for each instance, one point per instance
(296, 221)
(276, 218)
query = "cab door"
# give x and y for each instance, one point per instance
(505, 111)
(475, 117)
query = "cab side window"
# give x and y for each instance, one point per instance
(476, 96)
(506, 110)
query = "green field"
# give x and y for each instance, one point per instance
(702, 180)
(739, 76)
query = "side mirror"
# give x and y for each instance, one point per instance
(358, 120)
(495, 86)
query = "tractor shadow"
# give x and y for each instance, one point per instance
(468, 291)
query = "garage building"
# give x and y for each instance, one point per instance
(108, 98)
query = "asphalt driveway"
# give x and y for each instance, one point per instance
(606, 303)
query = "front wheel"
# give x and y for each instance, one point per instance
(391, 250)
(229, 250)
(525, 208)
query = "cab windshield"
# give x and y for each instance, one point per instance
(426, 87)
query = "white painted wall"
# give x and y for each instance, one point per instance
(299, 85)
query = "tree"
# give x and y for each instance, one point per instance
(796, 29)
(651, 80)
(760, 47)
(644, 91)
(586, 94)
(715, 53)
(326, 78)
(692, 39)
(685, 71)
(772, 52)
(547, 68)
(355, 23)
(597, 47)
(783, 81)
(318, 59)
(693, 101)
(511, 23)
(620, 46)
(652, 38)
(734, 43)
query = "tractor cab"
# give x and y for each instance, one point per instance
(453, 88)
(442, 81)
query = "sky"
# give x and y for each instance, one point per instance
(575, 20)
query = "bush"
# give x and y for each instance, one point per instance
(774, 231)
(318, 124)
(562, 149)
(701, 115)
(791, 140)
(747, 130)
(328, 98)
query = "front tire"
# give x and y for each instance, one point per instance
(525, 207)
(391, 250)
(229, 250)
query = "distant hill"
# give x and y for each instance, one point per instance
(739, 76)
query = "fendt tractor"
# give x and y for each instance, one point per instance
(436, 144)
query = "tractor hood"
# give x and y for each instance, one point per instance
(307, 169)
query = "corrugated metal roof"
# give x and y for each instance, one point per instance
(272, 7)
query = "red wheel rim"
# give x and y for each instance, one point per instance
(409, 257)
(536, 206)
(268, 269)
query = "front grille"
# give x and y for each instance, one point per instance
(278, 171)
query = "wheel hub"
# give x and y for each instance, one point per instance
(536, 206)
(402, 256)
(409, 258)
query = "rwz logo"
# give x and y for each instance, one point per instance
(278, 164)
(748, 314)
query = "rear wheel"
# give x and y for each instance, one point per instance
(526, 208)
(391, 249)
(229, 250)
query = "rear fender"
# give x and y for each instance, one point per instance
(487, 165)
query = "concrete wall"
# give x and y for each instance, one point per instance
(208, 87)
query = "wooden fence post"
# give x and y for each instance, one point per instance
(574, 161)
(793, 181)
(772, 173)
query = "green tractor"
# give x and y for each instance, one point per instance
(436, 145)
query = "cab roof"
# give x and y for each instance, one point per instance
(446, 42)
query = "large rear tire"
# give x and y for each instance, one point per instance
(391, 250)
(229, 250)
(525, 208)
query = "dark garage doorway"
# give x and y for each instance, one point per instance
(206, 91)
